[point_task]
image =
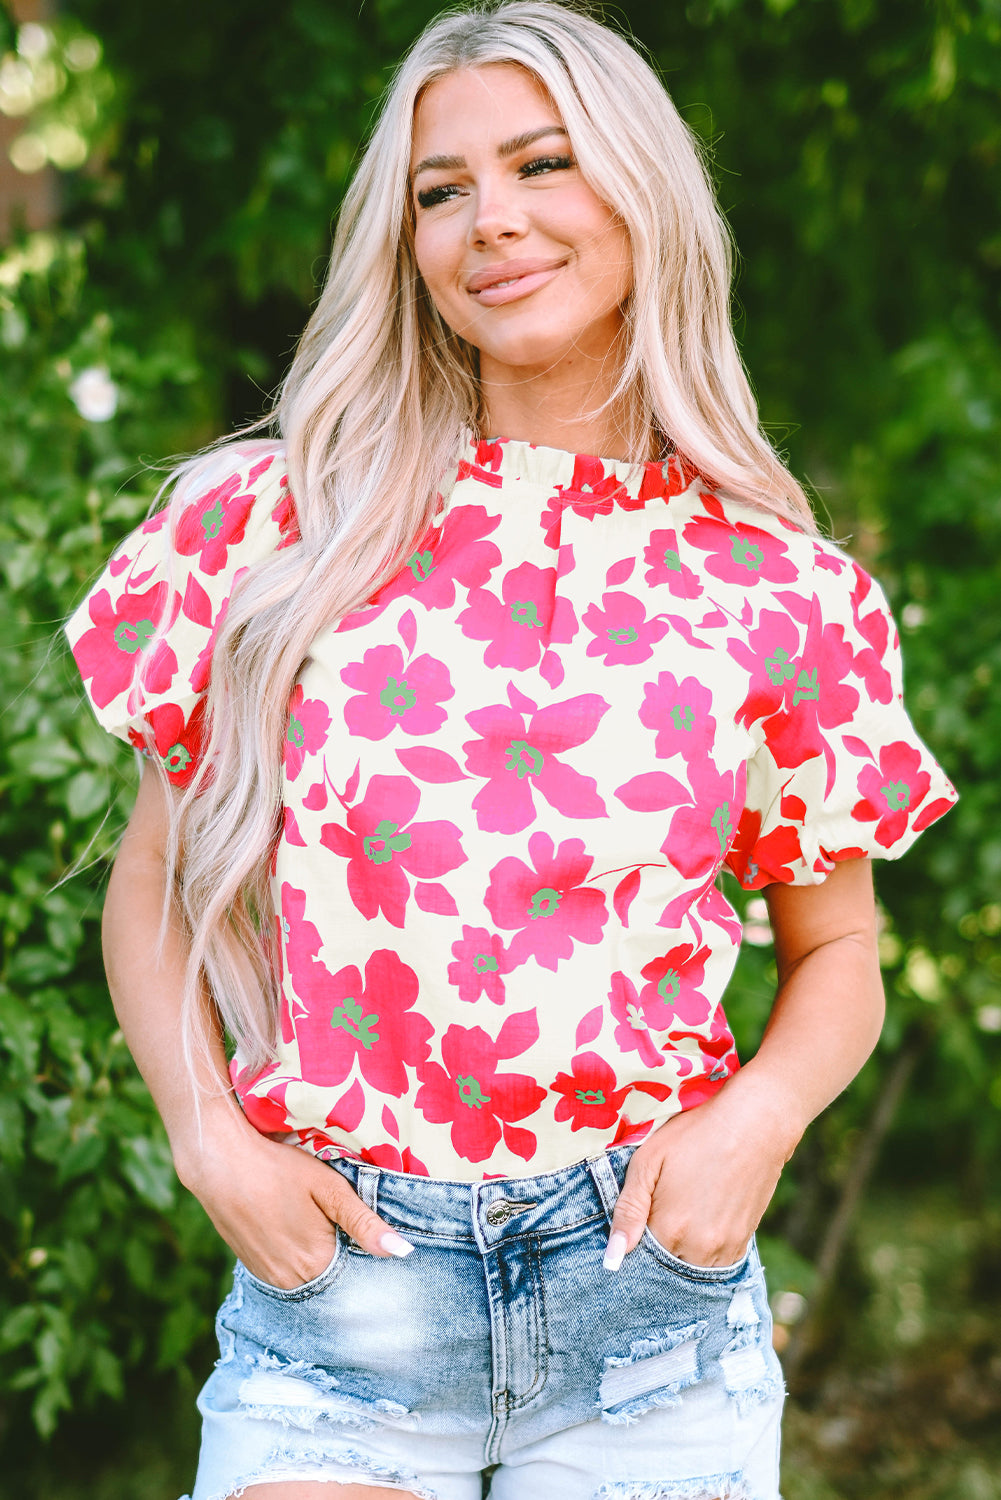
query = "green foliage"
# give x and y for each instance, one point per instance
(857, 147)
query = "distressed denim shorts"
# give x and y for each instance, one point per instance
(499, 1358)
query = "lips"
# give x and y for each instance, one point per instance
(508, 271)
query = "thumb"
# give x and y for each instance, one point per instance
(342, 1204)
(632, 1210)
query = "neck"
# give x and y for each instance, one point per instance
(555, 408)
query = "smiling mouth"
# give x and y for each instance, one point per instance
(520, 283)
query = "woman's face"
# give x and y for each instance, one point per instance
(520, 256)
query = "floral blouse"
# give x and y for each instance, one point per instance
(510, 785)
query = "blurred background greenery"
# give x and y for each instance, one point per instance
(195, 156)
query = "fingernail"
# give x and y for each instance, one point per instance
(615, 1251)
(395, 1244)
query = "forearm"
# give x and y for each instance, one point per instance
(146, 981)
(825, 1022)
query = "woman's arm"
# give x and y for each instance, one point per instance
(705, 1178)
(273, 1205)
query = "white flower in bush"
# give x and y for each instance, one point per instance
(94, 394)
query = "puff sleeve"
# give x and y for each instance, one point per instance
(142, 639)
(839, 771)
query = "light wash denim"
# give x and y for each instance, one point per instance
(499, 1357)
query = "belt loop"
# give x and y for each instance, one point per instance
(605, 1181)
(368, 1186)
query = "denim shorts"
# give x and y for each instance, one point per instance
(499, 1358)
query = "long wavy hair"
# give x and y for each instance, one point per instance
(375, 406)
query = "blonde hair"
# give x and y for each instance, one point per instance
(373, 412)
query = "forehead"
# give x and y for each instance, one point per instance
(487, 103)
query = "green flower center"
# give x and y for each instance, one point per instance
(671, 560)
(470, 1092)
(683, 717)
(523, 759)
(381, 845)
(724, 828)
(177, 758)
(897, 795)
(296, 733)
(779, 667)
(544, 902)
(746, 554)
(397, 697)
(421, 564)
(348, 1017)
(590, 1096)
(807, 686)
(212, 521)
(624, 636)
(485, 963)
(669, 987)
(132, 638)
(524, 612)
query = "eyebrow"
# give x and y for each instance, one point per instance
(506, 148)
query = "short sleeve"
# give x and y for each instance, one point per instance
(142, 639)
(839, 771)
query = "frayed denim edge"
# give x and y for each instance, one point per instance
(705, 1487)
(345, 1458)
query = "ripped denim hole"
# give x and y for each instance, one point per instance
(300, 1395)
(749, 1375)
(653, 1373)
(339, 1465)
(705, 1487)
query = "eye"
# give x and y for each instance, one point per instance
(429, 197)
(542, 164)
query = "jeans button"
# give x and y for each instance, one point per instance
(498, 1214)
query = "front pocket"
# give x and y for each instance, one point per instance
(297, 1293)
(684, 1268)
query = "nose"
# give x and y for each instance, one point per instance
(498, 217)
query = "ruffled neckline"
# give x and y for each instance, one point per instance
(512, 461)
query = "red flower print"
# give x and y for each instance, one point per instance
(485, 464)
(394, 695)
(632, 1033)
(306, 733)
(210, 525)
(591, 492)
(680, 713)
(178, 742)
(384, 847)
(285, 517)
(622, 633)
(590, 1099)
(343, 1019)
(891, 794)
(874, 628)
(518, 755)
(111, 652)
(548, 904)
(480, 961)
(739, 553)
(530, 618)
(816, 696)
(758, 861)
(391, 1159)
(672, 992)
(470, 1093)
(664, 566)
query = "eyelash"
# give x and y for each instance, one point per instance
(431, 197)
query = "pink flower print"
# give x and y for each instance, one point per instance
(816, 696)
(480, 963)
(770, 655)
(373, 1023)
(455, 552)
(672, 992)
(384, 848)
(664, 566)
(111, 653)
(212, 524)
(394, 695)
(178, 742)
(518, 755)
(547, 903)
(591, 492)
(306, 732)
(530, 618)
(739, 553)
(874, 628)
(680, 714)
(485, 465)
(391, 1159)
(470, 1093)
(892, 793)
(622, 633)
(632, 1033)
(700, 835)
(590, 1099)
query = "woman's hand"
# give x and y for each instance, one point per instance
(703, 1180)
(277, 1208)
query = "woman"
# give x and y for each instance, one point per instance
(464, 733)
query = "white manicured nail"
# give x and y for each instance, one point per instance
(395, 1244)
(615, 1251)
